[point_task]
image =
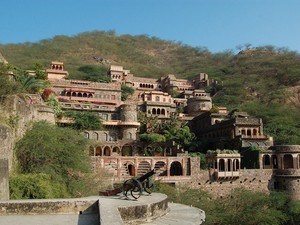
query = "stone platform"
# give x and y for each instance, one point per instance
(151, 209)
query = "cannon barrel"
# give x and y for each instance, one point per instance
(146, 175)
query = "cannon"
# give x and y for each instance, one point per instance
(133, 188)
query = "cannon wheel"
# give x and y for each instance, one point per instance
(132, 189)
(148, 186)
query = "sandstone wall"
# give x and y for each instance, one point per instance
(250, 179)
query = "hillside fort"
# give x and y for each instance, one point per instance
(232, 137)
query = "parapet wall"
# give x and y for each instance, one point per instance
(49, 206)
(251, 179)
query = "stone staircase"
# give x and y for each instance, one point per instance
(144, 167)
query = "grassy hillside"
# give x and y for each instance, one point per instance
(264, 81)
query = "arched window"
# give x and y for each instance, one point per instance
(79, 95)
(254, 132)
(86, 135)
(157, 99)
(104, 137)
(95, 136)
(236, 165)
(163, 112)
(266, 162)
(248, 132)
(154, 111)
(73, 94)
(158, 112)
(129, 135)
(288, 161)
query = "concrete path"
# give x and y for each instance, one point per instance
(179, 215)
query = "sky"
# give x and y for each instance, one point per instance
(218, 25)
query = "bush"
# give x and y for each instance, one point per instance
(58, 152)
(36, 186)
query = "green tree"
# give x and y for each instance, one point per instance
(152, 138)
(29, 83)
(182, 136)
(85, 120)
(149, 124)
(126, 92)
(58, 152)
(55, 104)
(8, 84)
(40, 72)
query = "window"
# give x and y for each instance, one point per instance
(113, 137)
(86, 135)
(104, 137)
(157, 99)
(95, 136)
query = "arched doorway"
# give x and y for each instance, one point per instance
(229, 162)
(131, 169)
(127, 150)
(266, 162)
(221, 165)
(176, 169)
(116, 150)
(107, 151)
(98, 151)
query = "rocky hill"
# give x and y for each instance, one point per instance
(261, 80)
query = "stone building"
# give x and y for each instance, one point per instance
(116, 147)
(284, 161)
(223, 130)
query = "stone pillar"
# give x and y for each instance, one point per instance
(183, 163)
(4, 188)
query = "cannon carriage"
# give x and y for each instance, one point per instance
(133, 188)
